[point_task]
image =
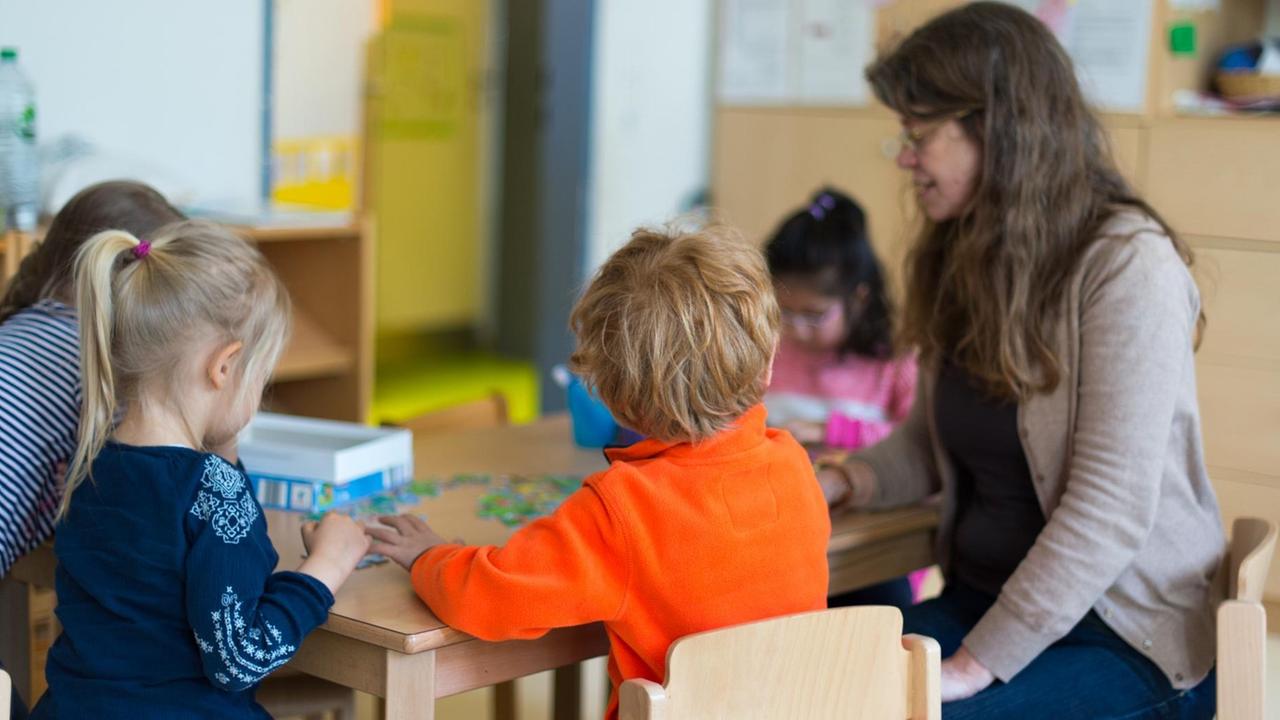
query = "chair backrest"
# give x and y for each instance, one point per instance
(846, 663)
(487, 412)
(1242, 621)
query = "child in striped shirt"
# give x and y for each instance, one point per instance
(40, 358)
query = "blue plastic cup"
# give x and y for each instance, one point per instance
(593, 424)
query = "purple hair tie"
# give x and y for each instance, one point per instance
(820, 206)
(141, 249)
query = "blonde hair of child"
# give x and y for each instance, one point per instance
(144, 310)
(677, 330)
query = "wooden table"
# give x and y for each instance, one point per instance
(380, 638)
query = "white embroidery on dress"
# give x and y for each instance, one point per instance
(221, 476)
(202, 643)
(247, 654)
(232, 514)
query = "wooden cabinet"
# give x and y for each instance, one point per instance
(1217, 176)
(326, 369)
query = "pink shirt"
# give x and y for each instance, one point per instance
(820, 387)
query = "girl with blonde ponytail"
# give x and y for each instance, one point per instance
(167, 596)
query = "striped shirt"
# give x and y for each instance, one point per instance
(39, 411)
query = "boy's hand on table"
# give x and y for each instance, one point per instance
(404, 540)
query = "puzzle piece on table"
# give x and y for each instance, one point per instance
(463, 479)
(516, 500)
(425, 488)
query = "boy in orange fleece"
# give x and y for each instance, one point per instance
(713, 520)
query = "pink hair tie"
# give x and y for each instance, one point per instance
(141, 249)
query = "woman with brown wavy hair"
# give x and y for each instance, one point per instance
(1056, 320)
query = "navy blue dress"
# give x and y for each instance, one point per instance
(166, 595)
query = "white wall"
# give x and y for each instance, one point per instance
(173, 85)
(319, 66)
(651, 116)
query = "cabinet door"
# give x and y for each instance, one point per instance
(1217, 177)
(1238, 368)
(1126, 148)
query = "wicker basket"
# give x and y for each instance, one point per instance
(1247, 85)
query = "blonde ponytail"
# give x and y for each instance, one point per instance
(96, 267)
(146, 307)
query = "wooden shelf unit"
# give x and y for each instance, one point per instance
(326, 370)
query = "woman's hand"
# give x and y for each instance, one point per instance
(834, 483)
(963, 676)
(406, 538)
(845, 483)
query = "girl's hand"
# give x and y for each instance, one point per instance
(406, 538)
(334, 546)
(963, 676)
(807, 433)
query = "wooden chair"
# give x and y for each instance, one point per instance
(487, 412)
(846, 663)
(1242, 622)
(288, 693)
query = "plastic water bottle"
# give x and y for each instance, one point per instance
(19, 164)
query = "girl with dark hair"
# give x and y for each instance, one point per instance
(836, 377)
(1057, 418)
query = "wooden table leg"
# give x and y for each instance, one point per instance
(411, 686)
(504, 700)
(406, 683)
(15, 634)
(567, 703)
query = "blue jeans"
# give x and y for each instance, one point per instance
(1090, 673)
(895, 593)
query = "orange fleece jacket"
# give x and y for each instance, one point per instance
(671, 539)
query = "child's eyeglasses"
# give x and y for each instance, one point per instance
(810, 320)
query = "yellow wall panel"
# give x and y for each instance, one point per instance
(425, 157)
